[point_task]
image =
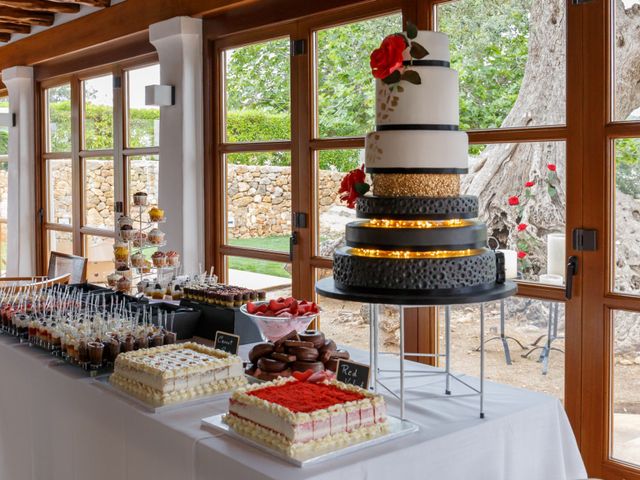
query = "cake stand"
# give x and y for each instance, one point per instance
(404, 299)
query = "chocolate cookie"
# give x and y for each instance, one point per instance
(314, 336)
(297, 343)
(269, 365)
(304, 366)
(283, 357)
(329, 346)
(305, 354)
(340, 354)
(331, 365)
(292, 335)
(260, 350)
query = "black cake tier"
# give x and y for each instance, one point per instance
(454, 274)
(467, 234)
(417, 208)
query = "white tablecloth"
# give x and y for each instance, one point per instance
(57, 425)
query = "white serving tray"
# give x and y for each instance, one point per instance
(104, 384)
(397, 428)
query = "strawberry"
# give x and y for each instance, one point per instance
(263, 308)
(289, 301)
(276, 305)
(303, 376)
(269, 313)
(293, 308)
(284, 313)
(252, 308)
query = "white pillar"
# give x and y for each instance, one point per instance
(179, 45)
(21, 218)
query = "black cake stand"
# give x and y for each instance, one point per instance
(403, 299)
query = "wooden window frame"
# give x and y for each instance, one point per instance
(120, 152)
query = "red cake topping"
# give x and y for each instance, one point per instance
(305, 397)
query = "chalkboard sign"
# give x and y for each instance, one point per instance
(353, 373)
(227, 342)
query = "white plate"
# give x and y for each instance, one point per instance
(397, 428)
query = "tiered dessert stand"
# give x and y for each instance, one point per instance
(404, 300)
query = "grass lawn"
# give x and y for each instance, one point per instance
(278, 244)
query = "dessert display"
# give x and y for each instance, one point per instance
(140, 199)
(156, 214)
(207, 291)
(278, 317)
(307, 412)
(415, 233)
(294, 352)
(177, 372)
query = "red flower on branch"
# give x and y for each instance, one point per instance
(529, 184)
(521, 255)
(388, 58)
(515, 200)
(551, 167)
(352, 186)
(522, 227)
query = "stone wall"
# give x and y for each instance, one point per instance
(259, 199)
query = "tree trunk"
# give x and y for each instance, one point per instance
(501, 170)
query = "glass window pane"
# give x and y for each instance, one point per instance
(59, 191)
(274, 277)
(627, 216)
(143, 177)
(511, 59)
(4, 185)
(626, 103)
(259, 200)
(61, 242)
(625, 435)
(527, 321)
(4, 131)
(99, 251)
(257, 92)
(98, 192)
(3, 248)
(522, 193)
(144, 120)
(346, 88)
(59, 119)
(333, 214)
(98, 113)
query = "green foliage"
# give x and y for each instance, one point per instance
(4, 141)
(628, 166)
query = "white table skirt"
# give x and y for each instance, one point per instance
(57, 425)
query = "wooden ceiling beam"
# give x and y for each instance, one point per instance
(42, 6)
(8, 27)
(5, 37)
(91, 3)
(26, 16)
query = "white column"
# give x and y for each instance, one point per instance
(179, 45)
(21, 218)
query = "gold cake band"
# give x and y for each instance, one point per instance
(400, 254)
(415, 185)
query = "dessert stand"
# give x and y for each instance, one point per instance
(396, 428)
(327, 288)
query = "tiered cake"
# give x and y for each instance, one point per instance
(417, 232)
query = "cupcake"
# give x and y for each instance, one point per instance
(121, 251)
(158, 292)
(139, 239)
(126, 232)
(112, 279)
(147, 266)
(122, 264)
(156, 214)
(124, 284)
(140, 199)
(149, 288)
(137, 260)
(173, 258)
(156, 236)
(159, 259)
(176, 294)
(124, 221)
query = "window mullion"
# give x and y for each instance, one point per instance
(76, 163)
(119, 99)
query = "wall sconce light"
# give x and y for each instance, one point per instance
(160, 95)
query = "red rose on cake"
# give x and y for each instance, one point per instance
(388, 58)
(352, 186)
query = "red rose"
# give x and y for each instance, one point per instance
(348, 186)
(529, 184)
(514, 200)
(551, 167)
(388, 58)
(522, 227)
(521, 255)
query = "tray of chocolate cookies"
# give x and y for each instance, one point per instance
(294, 352)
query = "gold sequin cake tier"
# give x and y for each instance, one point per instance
(415, 185)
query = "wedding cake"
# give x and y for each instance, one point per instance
(416, 232)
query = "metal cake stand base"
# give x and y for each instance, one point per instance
(327, 288)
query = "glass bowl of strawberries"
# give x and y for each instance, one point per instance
(279, 316)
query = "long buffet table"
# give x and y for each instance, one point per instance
(56, 424)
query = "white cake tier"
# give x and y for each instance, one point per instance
(417, 151)
(437, 44)
(434, 102)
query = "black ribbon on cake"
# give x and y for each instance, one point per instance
(417, 126)
(427, 63)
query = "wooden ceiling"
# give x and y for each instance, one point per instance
(18, 16)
